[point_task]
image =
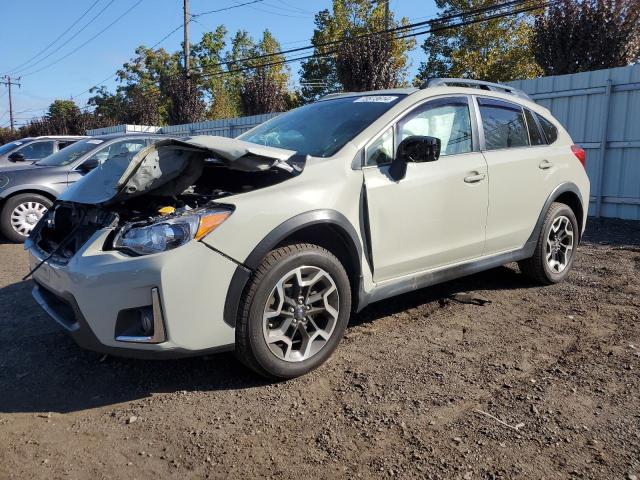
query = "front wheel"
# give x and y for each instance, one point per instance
(556, 247)
(294, 311)
(20, 214)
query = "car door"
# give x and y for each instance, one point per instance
(518, 168)
(436, 214)
(122, 147)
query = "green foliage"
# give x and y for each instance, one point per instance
(63, 109)
(349, 18)
(495, 50)
(582, 35)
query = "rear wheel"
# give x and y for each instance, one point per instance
(294, 312)
(555, 251)
(20, 214)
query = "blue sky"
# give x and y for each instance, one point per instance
(28, 26)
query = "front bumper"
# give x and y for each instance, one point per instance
(86, 296)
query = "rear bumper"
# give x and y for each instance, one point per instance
(87, 295)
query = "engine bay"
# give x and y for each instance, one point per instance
(67, 226)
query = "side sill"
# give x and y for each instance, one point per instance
(391, 288)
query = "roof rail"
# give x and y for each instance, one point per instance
(481, 84)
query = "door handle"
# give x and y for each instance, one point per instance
(477, 177)
(545, 165)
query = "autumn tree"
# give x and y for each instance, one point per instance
(366, 63)
(581, 35)
(185, 99)
(263, 87)
(497, 49)
(219, 90)
(340, 35)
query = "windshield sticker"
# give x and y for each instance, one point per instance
(95, 142)
(376, 99)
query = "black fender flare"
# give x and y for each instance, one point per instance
(287, 228)
(565, 187)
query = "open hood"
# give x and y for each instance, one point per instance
(168, 167)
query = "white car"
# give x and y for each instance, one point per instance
(267, 244)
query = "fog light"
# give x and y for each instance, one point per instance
(142, 324)
(146, 321)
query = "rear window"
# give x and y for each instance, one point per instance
(550, 131)
(503, 124)
(535, 135)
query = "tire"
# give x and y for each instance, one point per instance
(545, 266)
(33, 207)
(263, 315)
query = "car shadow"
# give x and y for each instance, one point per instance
(43, 370)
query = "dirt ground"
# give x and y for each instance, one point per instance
(538, 383)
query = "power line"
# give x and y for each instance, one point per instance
(85, 43)
(69, 39)
(193, 16)
(225, 8)
(280, 14)
(57, 38)
(408, 35)
(412, 26)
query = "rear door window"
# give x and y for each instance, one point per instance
(37, 150)
(503, 124)
(550, 131)
(535, 135)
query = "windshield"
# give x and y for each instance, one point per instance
(321, 129)
(7, 147)
(71, 153)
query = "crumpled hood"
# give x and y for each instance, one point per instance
(169, 167)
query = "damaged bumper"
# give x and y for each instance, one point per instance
(155, 306)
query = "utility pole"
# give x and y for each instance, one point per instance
(8, 81)
(387, 17)
(186, 38)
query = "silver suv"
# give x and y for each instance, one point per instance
(32, 149)
(267, 244)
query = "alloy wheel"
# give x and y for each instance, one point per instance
(559, 247)
(301, 313)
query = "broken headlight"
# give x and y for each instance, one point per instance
(167, 234)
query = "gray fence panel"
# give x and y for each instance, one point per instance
(601, 112)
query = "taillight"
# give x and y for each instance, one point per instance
(580, 154)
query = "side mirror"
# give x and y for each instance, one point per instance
(419, 149)
(16, 157)
(88, 165)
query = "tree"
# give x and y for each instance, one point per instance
(141, 85)
(339, 30)
(185, 99)
(263, 87)
(495, 50)
(366, 63)
(582, 35)
(62, 110)
(209, 57)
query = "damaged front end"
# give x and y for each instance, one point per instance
(165, 196)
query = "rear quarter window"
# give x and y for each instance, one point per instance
(550, 131)
(535, 135)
